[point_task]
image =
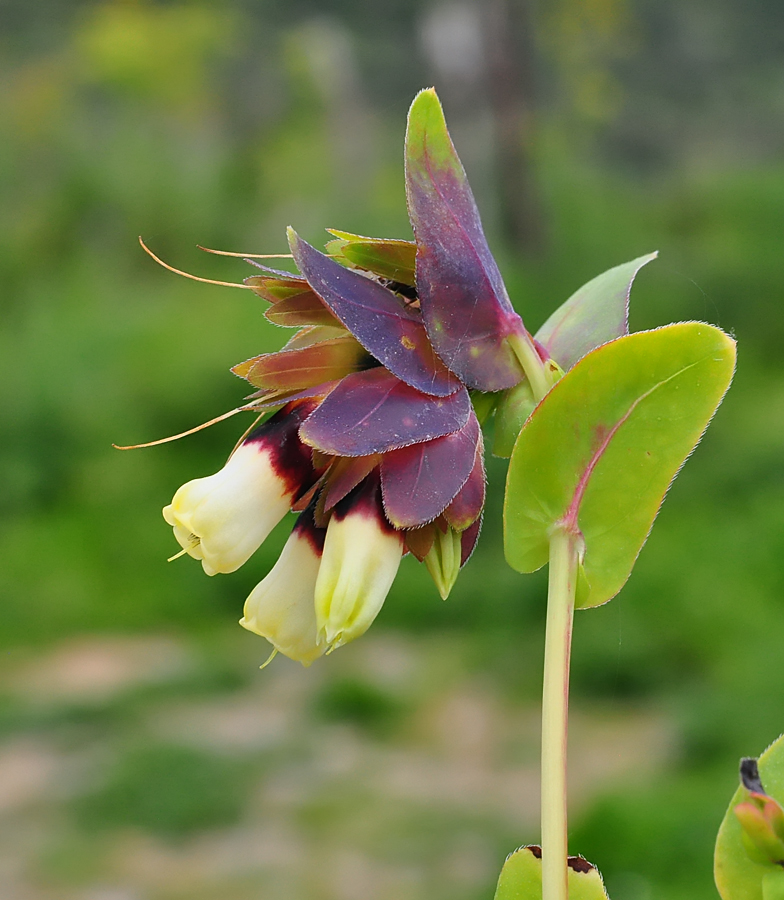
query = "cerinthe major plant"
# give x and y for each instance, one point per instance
(368, 426)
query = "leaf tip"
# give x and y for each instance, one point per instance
(426, 111)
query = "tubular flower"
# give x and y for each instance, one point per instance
(224, 518)
(377, 437)
(362, 553)
(281, 608)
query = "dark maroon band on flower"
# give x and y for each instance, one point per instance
(305, 528)
(365, 500)
(291, 460)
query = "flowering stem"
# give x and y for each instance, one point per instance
(555, 712)
(532, 364)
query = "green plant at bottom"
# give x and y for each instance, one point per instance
(749, 858)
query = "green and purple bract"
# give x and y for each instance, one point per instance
(378, 318)
(464, 302)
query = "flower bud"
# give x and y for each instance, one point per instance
(224, 518)
(362, 552)
(443, 560)
(281, 608)
(761, 817)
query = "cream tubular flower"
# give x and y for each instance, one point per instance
(362, 552)
(281, 608)
(224, 518)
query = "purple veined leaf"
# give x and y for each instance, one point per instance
(467, 506)
(419, 482)
(386, 257)
(373, 412)
(596, 313)
(464, 302)
(344, 475)
(468, 541)
(378, 319)
(292, 370)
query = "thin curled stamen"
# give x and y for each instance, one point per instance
(245, 287)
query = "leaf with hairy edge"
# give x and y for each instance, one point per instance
(377, 318)
(315, 334)
(386, 257)
(305, 308)
(601, 449)
(419, 482)
(464, 303)
(521, 877)
(598, 312)
(292, 370)
(467, 506)
(738, 875)
(373, 412)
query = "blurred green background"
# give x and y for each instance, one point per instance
(143, 756)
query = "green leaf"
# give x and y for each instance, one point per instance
(773, 885)
(601, 449)
(738, 877)
(521, 877)
(598, 312)
(387, 257)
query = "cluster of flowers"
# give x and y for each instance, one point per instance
(374, 439)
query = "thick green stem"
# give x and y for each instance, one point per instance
(555, 712)
(532, 364)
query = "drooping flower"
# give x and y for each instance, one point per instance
(281, 607)
(362, 552)
(224, 518)
(374, 389)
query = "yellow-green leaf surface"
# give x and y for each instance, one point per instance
(737, 876)
(601, 449)
(521, 878)
(387, 257)
(598, 312)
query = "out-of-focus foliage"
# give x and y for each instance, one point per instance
(220, 124)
